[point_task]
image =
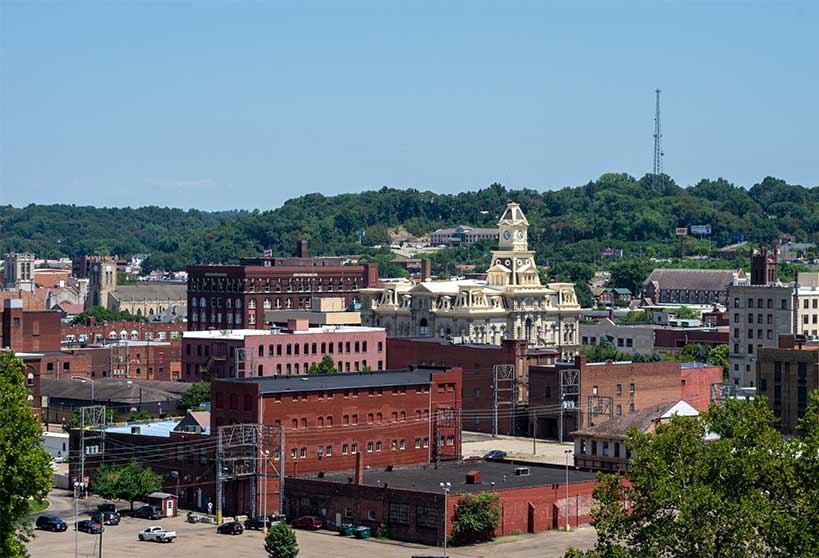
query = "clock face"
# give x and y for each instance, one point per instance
(520, 234)
(507, 235)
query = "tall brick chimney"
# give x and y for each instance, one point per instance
(359, 468)
(764, 269)
(426, 269)
(301, 249)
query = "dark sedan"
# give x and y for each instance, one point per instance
(307, 522)
(230, 528)
(148, 512)
(106, 518)
(51, 523)
(495, 454)
(88, 526)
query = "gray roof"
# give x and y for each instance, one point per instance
(618, 427)
(427, 478)
(341, 380)
(115, 391)
(692, 279)
(152, 291)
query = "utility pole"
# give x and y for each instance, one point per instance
(534, 429)
(445, 486)
(566, 452)
(656, 179)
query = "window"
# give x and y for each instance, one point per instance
(371, 515)
(378, 445)
(619, 389)
(631, 407)
(394, 445)
(403, 444)
(354, 448)
(426, 516)
(345, 448)
(417, 443)
(619, 410)
(605, 449)
(594, 447)
(426, 443)
(180, 454)
(303, 453)
(293, 453)
(369, 447)
(328, 452)
(631, 389)
(616, 449)
(399, 513)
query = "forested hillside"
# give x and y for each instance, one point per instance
(573, 224)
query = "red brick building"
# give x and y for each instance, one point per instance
(411, 502)
(27, 331)
(477, 362)
(611, 389)
(391, 417)
(290, 351)
(675, 339)
(78, 334)
(228, 296)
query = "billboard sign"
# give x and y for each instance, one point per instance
(701, 229)
(681, 231)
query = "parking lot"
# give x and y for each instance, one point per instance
(200, 540)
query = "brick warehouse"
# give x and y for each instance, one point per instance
(389, 417)
(94, 332)
(228, 296)
(616, 388)
(410, 501)
(477, 362)
(290, 351)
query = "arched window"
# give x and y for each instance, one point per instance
(423, 327)
(134, 335)
(203, 303)
(251, 304)
(229, 303)
(123, 335)
(238, 303)
(194, 302)
(268, 304)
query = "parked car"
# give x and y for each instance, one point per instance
(50, 523)
(89, 526)
(495, 454)
(148, 512)
(107, 507)
(230, 528)
(106, 517)
(156, 534)
(307, 522)
(258, 521)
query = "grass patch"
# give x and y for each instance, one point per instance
(36, 506)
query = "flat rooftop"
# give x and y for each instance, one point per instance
(426, 478)
(341, 380)
(159, 428)
(242, 333)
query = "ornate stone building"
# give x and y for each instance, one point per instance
(510, 304)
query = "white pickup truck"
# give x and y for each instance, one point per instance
(157, 534)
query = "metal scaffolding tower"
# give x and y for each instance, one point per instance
(657, 177)
(447, 422)
(238, 456)
(600, 406)
(503, 381)
(92, 435)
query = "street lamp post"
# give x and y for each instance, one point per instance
(567, 452)
(445, 486)
(266, 454)
(77, 487)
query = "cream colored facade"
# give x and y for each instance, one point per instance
(510, 304)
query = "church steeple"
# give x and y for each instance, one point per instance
(513, 229)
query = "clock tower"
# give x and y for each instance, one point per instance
(513, 264)
(513, 228)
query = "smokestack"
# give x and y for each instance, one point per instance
(426, 269)
(301, 249)
(359, 468)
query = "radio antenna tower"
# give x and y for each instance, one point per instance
(657, 178)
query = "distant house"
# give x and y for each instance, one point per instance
(462, 234)
(611, 295)
(689, 286)
(602, 447)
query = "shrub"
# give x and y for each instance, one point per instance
(476, 518)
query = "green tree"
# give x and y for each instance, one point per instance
(746, 492)
(696, 352)
(25, 472)
(476, 518)
(139, 416)
(325, 366)
(719, 357)
(127, 482)
(630, 274)
(280, 541)
(195, 395)
(685, 313)
(101, 314)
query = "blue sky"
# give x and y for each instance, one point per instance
(220, 105)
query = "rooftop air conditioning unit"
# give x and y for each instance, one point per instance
(522, 471)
